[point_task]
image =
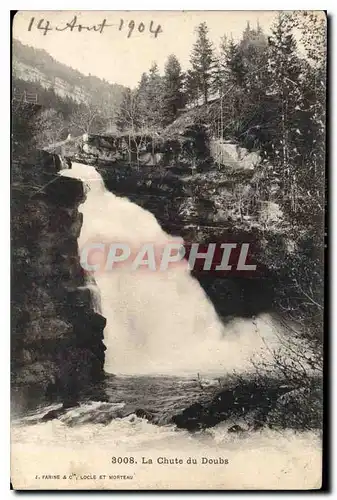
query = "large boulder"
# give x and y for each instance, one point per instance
(234, 156)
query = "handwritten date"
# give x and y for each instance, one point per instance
(128, 27)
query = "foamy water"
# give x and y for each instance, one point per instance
(159, 322)
(82, 455)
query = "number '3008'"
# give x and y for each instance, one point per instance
(122, 460)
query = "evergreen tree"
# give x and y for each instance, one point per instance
(232, 83)
(203, 62)
(173, 98)
(150, 96)
(155, 97)
(143, 99)
(250, 69)
(220, 86)
(235, 64)
(310, 142)
(285, 69)
(191, 90)
(253, 49)
(221, 75)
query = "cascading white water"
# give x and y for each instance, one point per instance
(158, 322)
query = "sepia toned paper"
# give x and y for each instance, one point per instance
(168, 173)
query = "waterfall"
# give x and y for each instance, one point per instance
(158, 322)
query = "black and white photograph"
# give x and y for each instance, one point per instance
(168, 178)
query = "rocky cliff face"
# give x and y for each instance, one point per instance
(57, 336)
(37, 67)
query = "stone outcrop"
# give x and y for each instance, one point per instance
(249, 404)
(189, 148)
(57, 336)
(231, 154)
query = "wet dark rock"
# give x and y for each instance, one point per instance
(31, 370)
(236, 429)
(244, 401)
(196, 417)
(147, 415)
(64, 191)
(54, 414)
(57, 337)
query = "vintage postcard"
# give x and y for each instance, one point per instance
(167, 223)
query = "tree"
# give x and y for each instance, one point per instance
(253, 50)
(191, 90)
(203, 62)
(150, 94)
(24, 127)
(128, 117)
(143, 98)
(297, 89)
(285, 74)
(87, 119)
(50, 128)
(173, 98)
(235, 63)
(248, 61)
(313, 29)
(230, 84)
(226, 86)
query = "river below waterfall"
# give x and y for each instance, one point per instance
(82, 442)
(168, 349)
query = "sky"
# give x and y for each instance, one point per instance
(115, 56)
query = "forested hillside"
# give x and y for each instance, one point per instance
(71, 102)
